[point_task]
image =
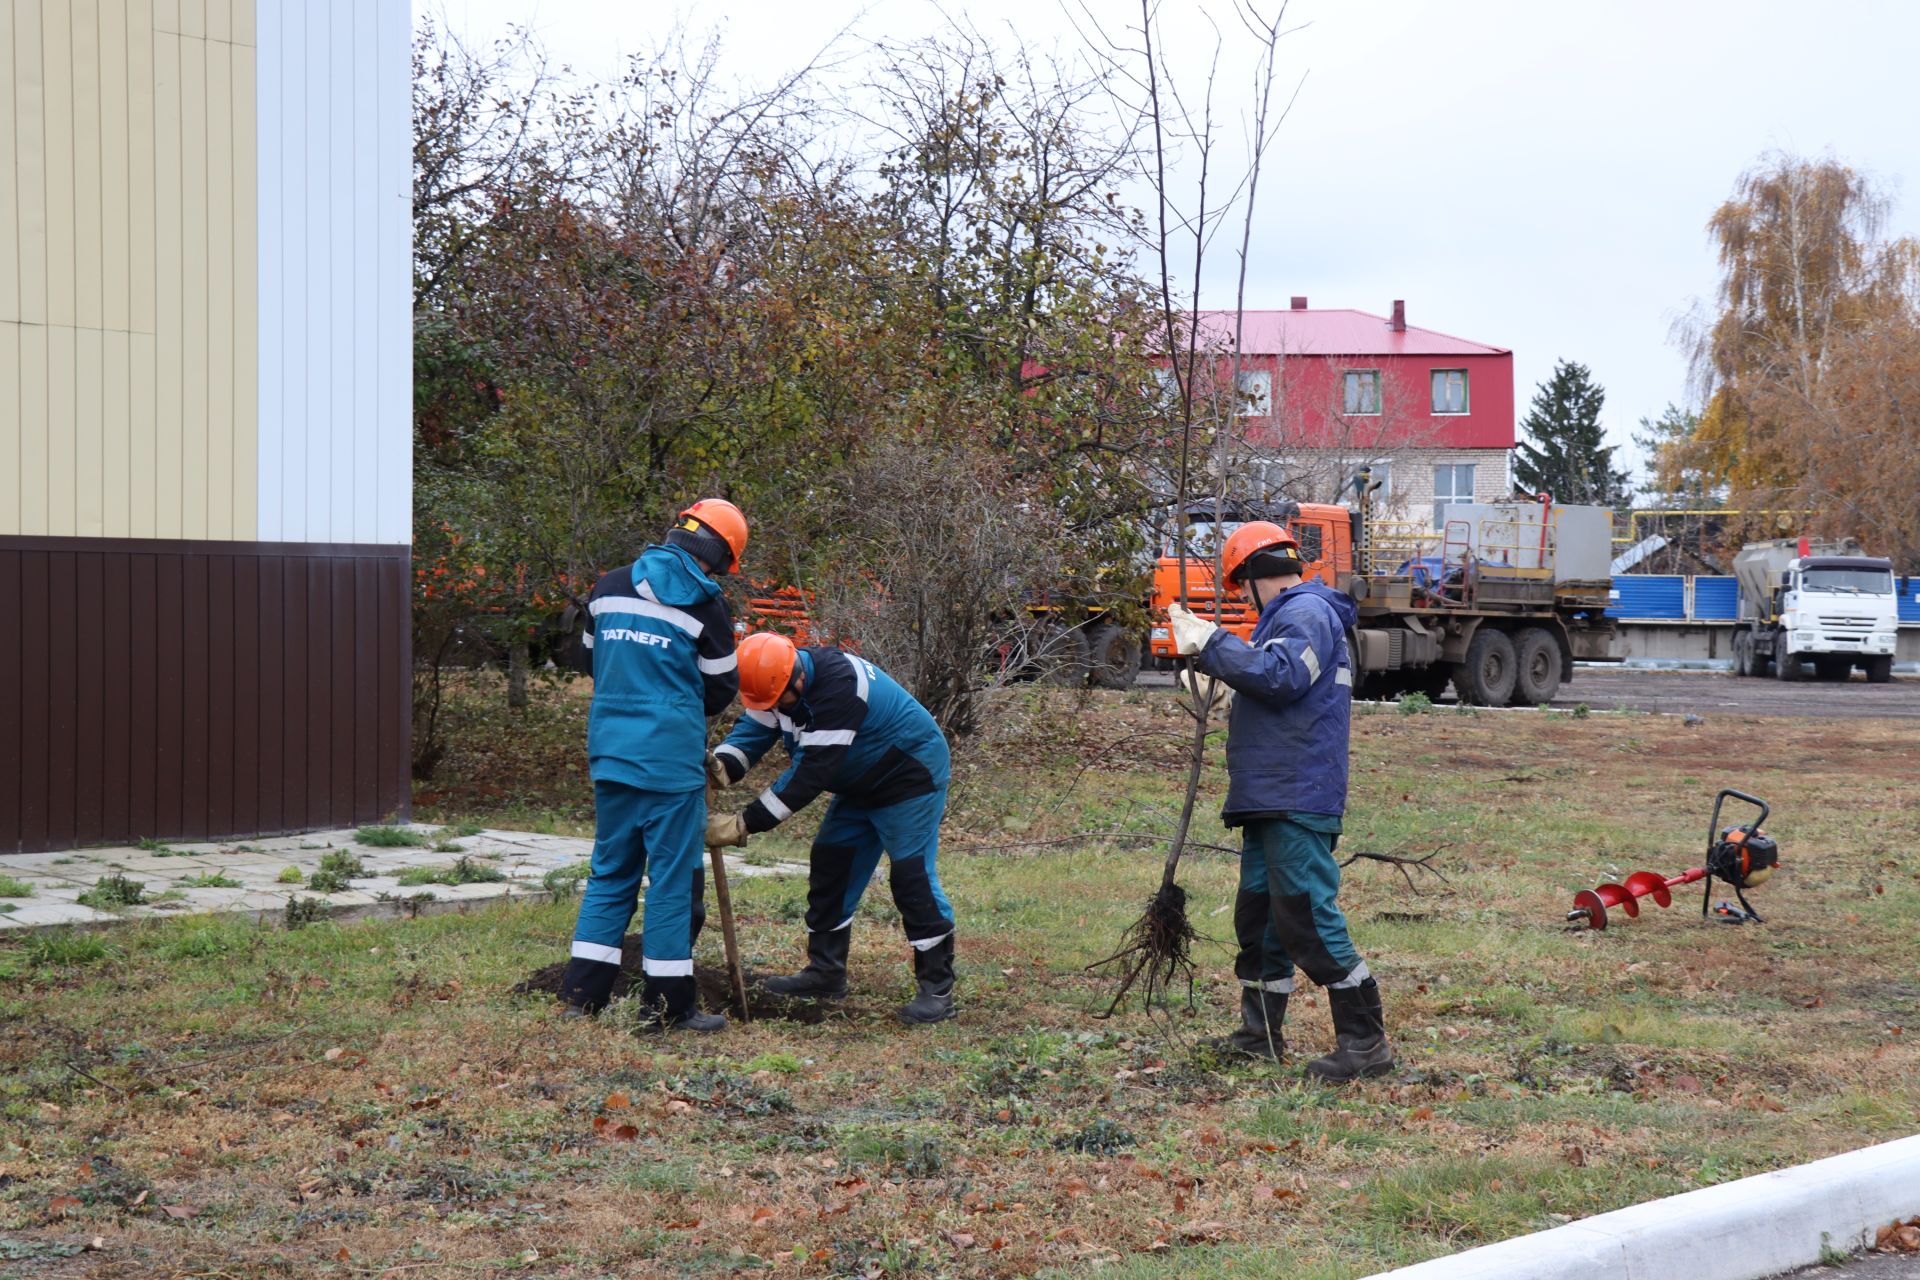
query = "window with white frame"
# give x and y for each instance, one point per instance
(1449, 390)
(1452, 483)
(1167, 387)
(1362, 392)
(1256, 393)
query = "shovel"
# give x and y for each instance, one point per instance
(735, 973)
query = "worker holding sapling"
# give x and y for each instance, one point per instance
(848, 728)
(1287, 791)
(659, 645)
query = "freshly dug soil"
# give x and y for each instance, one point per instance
(716, 992)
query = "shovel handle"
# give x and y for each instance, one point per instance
(725, 899)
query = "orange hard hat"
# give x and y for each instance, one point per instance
(1249, 540)
(766, 668)
(723, 518)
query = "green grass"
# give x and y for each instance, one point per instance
(444, 1124)
(463, 871)
(210, 880)
(290, 875)
(336, 872)
(112, 892)
(13, 887)
(390, 838)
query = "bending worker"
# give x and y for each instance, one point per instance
(661, 648)
(850, 729)
(1287, 790)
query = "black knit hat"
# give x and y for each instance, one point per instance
(702, 543)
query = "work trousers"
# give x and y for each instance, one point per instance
(1286, 912)
(660, 836)
(847, 851)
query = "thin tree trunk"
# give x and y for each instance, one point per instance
(519, 659)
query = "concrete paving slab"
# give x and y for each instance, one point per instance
(524, 858)
(49, 914)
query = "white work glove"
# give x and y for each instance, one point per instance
(725, 829)
(1190, 681)
(1190, 633)
(718, 779)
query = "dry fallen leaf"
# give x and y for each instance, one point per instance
(342, 1255)
(1574, 1155)
(625, 1133)
(178, 1211)
(761, 1213)
(688, 1225)
(63, 1205)
(618, 1102)
(335, 1054)
(1421, 1113)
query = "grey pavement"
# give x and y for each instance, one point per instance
(1870, 1266)
(259, 877)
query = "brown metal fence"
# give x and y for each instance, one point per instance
(199, 689)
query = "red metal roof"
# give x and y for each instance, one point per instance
(1335, 331)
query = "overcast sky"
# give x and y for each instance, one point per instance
(1536, 175)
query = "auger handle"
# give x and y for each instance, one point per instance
(1713, 823)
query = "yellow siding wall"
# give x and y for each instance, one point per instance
(128, 342)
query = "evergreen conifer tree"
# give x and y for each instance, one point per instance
(1565, 452)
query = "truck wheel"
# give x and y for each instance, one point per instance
(1786, 663)
(1060, 655)
(1537, 672)
(1880, 669)
(1742, 653)
(1114, 657)
(1487, 676)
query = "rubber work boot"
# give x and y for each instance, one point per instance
(673, 1004)
(825, 977)
(1258, 1035)
(1360, 1036)
(934, 970)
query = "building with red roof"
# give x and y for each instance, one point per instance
(1326, 391)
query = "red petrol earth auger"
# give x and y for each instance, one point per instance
(1742, 856)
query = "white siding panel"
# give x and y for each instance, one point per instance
(334, 279)
(394, 302)
(270, 270)
(342, 252)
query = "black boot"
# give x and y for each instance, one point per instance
(825, 977)
(586, 987)
(673, 1004)
(933, 968)
(1360, 1036)
(1258, 1035)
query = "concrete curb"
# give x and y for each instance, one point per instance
(1743, 1230)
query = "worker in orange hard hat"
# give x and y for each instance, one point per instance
(850, 729)
(1287, 791)
(660, 649)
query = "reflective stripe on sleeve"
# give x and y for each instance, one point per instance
(766, 718)
(666, 968)
(1311, 660)
(595, 952)
(771, 803)
(719, 666)
(728, 749)
(1343, 676)
(827, 738)
(1278, 986)
(587, 638)
(859, 679)
(928, 944)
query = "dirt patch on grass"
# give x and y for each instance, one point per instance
(716, 990)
